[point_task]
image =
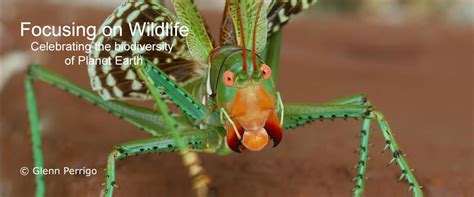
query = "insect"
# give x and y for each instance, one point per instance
(225, 94)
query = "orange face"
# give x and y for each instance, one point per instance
(253, 113)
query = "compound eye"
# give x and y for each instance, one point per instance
(266, 71)
(228, 78)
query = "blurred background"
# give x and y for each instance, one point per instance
(413, 58)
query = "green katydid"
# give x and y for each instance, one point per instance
(226, 93)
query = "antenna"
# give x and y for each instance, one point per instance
(242, 38)
(254, 52)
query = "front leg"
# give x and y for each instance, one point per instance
(198, 140)
(146, 119)
(354, 107)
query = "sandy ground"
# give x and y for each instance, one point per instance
(418, 75)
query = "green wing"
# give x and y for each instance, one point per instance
(280, 11)
(198, 41)
(113, 81)
(230, 29)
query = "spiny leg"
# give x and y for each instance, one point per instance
(149, 120)
(35, 135)
(363, 150)
(353, 107)
(152, 121)
(199, 140)
(330, 111)
(363, 158)
(162, 82)
(151, 78)
(391, 143)
(407, 172)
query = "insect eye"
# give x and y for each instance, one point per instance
(228, 78)
(266, 71)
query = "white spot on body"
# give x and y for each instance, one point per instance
(144, 7)
(136, 85)
(138, 4)
(100, 39)
(276, 28)
(106, 67)
(110, 80)
(305, 4)
(95, 54)
(136, 37)
(132, 16)
(118, 23)
(282, 16)
(130, 75)
(96, 83)
(174, 41)
(117, 92)
(122, 9)
(91, 69)
(107, 22)
(104, 93)
(113, 53)
(293, 3)
(124, 66)
(161, 36)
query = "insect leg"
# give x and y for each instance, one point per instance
(35, 135)
(353, 107)
(160, 81)
(200, 182)
(398, 155)
(363, 158)
(197, 140)
(299, 115)
(147, 119)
